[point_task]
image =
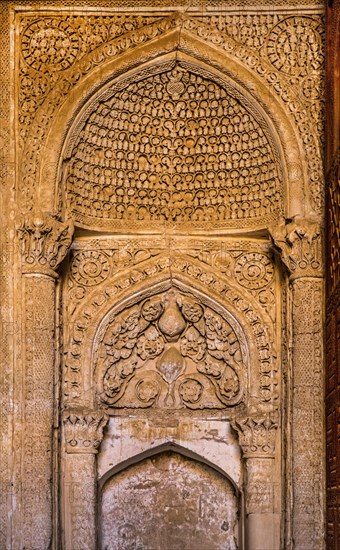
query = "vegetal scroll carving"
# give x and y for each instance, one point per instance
(170, 351)
(299, 242)
(83, 430)
(44, 241)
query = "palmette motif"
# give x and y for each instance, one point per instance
(172, 352)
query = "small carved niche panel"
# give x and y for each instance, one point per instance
(169, 502)
(170, 352)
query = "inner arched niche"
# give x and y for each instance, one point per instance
(175, 145)
(156, 502)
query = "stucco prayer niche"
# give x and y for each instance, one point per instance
(170, 351)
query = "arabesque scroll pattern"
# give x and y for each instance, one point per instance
(170, 352)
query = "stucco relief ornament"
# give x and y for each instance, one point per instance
(170, 352)
(257, 434)
(83, 430)
(44, 242)
(299, 244)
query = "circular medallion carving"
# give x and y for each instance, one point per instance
(90, 268)
(254, 270)
(294, 45)
(147, 390)
(50, 45)
(191, 390)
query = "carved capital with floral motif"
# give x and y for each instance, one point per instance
(44, 242)
(257, 435)
(83, 430)
(299, 244)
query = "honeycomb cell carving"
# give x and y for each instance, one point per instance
(173, 147)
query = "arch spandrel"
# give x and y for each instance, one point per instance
(183, 45)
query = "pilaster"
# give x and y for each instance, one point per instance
(83, 433)
(44, 243)
(257, 438)
(299, 244)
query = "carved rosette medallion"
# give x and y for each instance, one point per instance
(44, 242)
(170, 352)
(294, 44)
(83, 430)
(254, 270)
(50, 44)
(90, 268)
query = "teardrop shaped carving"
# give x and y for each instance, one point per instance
(172, 322)
(171, 364)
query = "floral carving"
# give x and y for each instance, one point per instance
(89, 268)
(161, 351)
(83, 430)
(191, 390)
(257, 435)
(294, 44)
(44, 241)
(299, 243)
(50, 44)
(254, 270)
(178, 265)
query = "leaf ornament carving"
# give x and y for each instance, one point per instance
(170, 352)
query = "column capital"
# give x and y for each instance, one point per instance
(44, 242)
(298, 242)
(83, 430)
(257, 434)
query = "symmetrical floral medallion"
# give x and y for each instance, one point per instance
(170, 351)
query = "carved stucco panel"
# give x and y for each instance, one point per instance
(307, 418)
(310, 28)
(250, 264)
(159, 275)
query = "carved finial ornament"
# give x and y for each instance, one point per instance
(83, 430)
(44, 242)
(257, 435)
(299, 244)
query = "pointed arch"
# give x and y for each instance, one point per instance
(162, 448)
(176, 44)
